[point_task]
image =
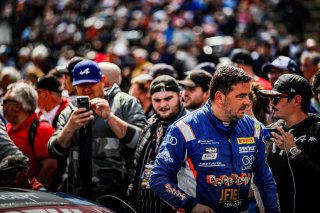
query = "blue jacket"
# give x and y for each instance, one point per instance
(203, 161)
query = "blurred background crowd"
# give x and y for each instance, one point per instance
(132, 43)
(37, 35)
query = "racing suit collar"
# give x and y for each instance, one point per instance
(217, 123)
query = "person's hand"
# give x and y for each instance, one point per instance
(79, 118)
(199, 208)
(101, 107)
(284, 140)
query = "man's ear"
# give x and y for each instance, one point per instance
(105, 81)
(180, 96)
(47, 92)
(297, 99)
(18, 107)
(206, 94)
(219, 97)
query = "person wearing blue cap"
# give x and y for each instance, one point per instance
(279, 66)
(100, 142)
(206, 66)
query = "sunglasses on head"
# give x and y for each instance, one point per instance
(275, 99)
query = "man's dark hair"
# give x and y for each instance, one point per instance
(316, 82)
(225, 78)
(162, 69)
(143, 87)
(10, 167)
(8, 178)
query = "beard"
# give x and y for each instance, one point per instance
(170, 112)
(194, 105)
(232, 113)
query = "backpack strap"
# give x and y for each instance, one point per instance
(32, 132)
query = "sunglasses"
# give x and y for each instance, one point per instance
(5, 101)
(275, 99)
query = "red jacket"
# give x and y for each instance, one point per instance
(63, 105)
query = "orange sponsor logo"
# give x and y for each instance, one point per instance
(245, 140)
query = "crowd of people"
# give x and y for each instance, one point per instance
(142, 101)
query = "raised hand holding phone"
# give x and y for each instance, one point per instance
(282, 139)
(83, 101)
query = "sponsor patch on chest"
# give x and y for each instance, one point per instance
(211, 153)
(247, 149)
(249, 140)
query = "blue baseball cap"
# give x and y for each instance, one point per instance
(86, 71)
(282, 63)
(206, 66)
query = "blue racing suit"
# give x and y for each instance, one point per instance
(203, 161)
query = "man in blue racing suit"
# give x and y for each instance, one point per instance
(207, 158)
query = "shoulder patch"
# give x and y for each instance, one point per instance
(185, 130)
(257, 129)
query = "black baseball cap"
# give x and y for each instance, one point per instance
(197, 78)
(291, 85)
(69, 67)
(164, 83)
(50, 83)
(162, 69)
(241, 56)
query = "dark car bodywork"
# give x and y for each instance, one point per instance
(16, 200)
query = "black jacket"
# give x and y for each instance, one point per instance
(143, 148)
(305, 176)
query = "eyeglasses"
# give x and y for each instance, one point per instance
(5, 101)
(275, 99)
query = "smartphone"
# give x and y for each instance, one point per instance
(273, 130)
(83, 101)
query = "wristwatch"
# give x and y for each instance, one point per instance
(294, 151)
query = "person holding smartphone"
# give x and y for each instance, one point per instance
(99, 135)
(293, 153)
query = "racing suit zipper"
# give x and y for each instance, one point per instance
(230, 147)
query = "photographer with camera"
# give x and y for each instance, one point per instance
(100, 142)
(293, 153)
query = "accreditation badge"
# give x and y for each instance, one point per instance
(146, 176)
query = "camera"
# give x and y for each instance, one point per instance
(83, 101)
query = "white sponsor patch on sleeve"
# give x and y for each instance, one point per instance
(185, 130)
